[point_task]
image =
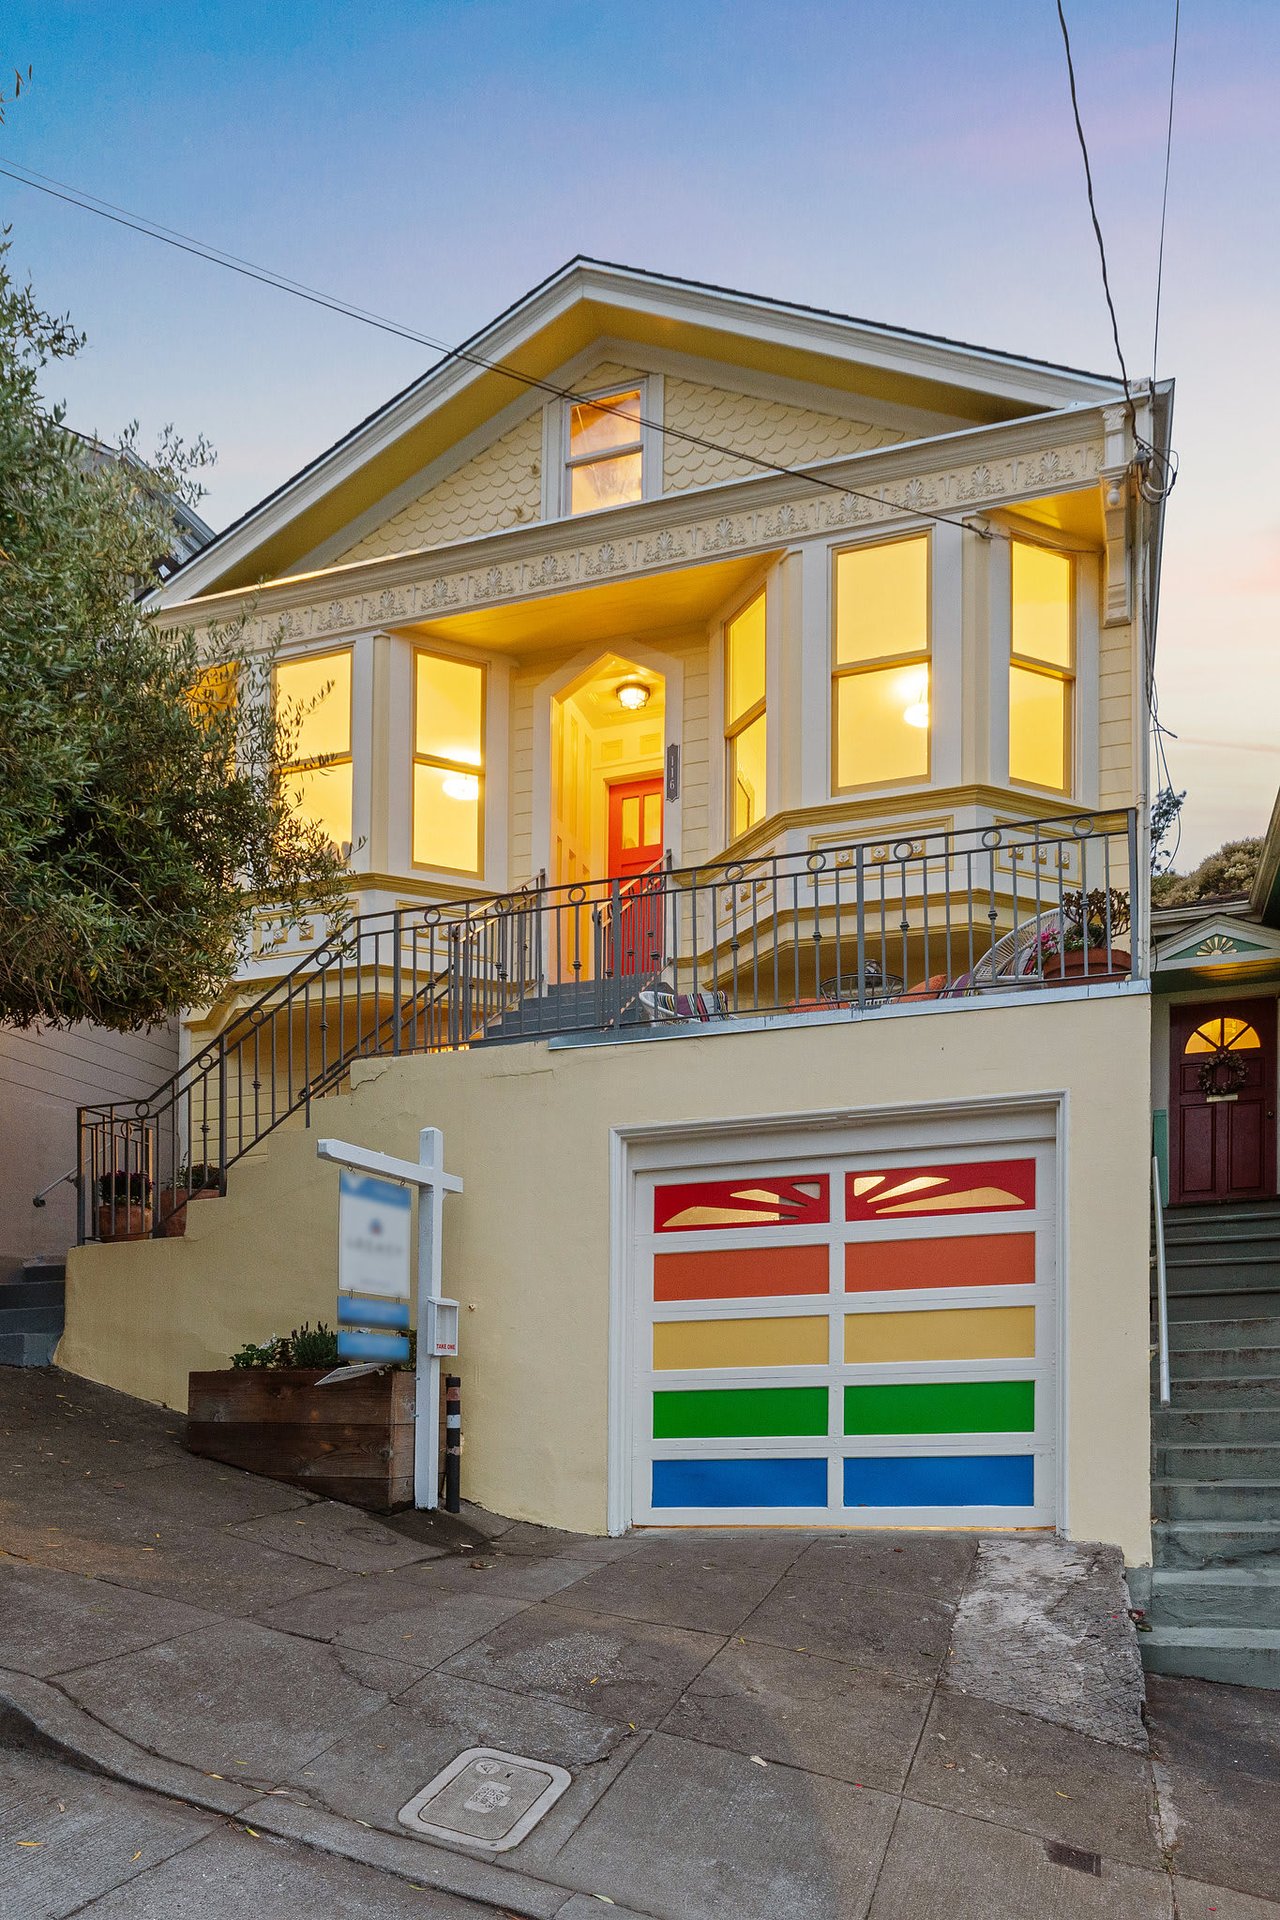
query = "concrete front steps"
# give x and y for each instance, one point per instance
(1212, 1597)
(32, 1311)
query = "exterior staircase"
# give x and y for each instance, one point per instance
(32, 1311)
(573, 1006)
(1212, 1597)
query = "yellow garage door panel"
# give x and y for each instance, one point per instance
(783, 1342)
(955, 1333)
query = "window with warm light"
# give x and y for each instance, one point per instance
(745, 726)
(881, 680)
(604, 463)
(313, 705)
(1041, 667)
(448, 763)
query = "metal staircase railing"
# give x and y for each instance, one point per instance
(405, 980)
(937, 915)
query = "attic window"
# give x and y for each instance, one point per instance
(604, 460)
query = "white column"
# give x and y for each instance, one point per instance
(362, 782)
(814, 683)
(947, 697)
(998, 637)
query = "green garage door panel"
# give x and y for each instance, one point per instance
(740, 1413)
(955, 1406)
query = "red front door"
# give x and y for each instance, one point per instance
(1222, 1101)
(635, 852)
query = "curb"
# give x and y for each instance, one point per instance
(85, 1742)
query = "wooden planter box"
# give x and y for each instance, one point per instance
(352, 1441)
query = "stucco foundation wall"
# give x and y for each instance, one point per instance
(527, 1246)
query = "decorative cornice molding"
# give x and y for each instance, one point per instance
(740, 518)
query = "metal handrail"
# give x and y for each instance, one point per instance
(959, 912)
(1162, 1282)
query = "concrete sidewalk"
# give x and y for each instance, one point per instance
(905, 1727)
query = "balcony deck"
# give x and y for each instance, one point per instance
(947, 917)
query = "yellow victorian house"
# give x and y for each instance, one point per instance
(736, 714)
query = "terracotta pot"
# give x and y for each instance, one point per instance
(121, 1222)
(172, 1223)
(1071, 965)
(173, 1209)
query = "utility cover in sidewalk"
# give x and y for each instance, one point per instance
(486, 1799)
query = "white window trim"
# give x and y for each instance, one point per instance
(1083, 775)
(558, 465)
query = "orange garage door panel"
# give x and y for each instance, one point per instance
(958, 1260)
(739, 1273)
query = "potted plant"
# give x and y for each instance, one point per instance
(196, 1182)
(1084, 943)
(266, 1413)
(124, 1206)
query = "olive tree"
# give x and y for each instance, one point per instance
(145, 817)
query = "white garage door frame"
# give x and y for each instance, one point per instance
(961, 1128)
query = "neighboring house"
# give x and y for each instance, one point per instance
(744, 767)
(1213, 1595)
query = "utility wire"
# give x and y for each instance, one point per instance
(1164, 198)
(1093, 215)
(185, 243)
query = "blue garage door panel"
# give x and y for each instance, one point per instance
(941, 1480)
(739, 1483)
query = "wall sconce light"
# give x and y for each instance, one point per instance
(632, 694)
(460, 786)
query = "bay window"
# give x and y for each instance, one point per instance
(881, 679)
(604, 461)
(745, 729)
(448, 763)
(1042, 667)
(313, 703)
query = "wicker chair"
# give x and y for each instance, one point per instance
(1013, 957)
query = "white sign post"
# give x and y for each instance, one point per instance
(371, 1261)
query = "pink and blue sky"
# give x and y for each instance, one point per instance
(431, 159)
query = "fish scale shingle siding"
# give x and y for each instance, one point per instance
(767, 431)
(497, 488)
(501, 487)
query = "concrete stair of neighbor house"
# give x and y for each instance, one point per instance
(1212, 1596)
(32, 1311)
(573, 1005)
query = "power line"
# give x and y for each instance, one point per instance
(1164, 198)
(1093, 215)
(185, 243)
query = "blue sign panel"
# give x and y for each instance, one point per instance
(353, 1311)
(355, 1344)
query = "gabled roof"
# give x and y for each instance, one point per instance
(588, 300)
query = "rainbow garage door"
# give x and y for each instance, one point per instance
(860, 1341)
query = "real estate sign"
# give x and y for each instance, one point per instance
(374, 1221)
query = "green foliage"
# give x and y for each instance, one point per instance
(143, 818)
(119, 1188)
(1165, 809)
(1231, 870)
(314, 1346)
(199, 1178)
(306, 1346)
(1086, 917)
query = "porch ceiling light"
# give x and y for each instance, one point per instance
(632, 694)
(460, 786)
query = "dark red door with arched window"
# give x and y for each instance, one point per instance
(1222, 1101)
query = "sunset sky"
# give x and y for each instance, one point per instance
(432, 159)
